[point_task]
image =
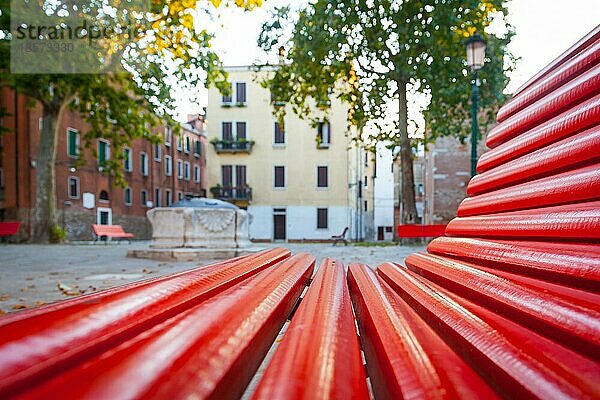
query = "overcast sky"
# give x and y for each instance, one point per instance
(544, 29)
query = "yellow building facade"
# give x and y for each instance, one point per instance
(298, 182)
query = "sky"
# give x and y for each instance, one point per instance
(544, 29)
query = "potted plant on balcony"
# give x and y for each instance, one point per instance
(216, 191)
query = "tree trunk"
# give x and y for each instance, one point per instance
(44, 214)
(409, 208)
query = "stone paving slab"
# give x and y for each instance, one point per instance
(33, 275)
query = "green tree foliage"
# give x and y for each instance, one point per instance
(379, 49)
(165, 50)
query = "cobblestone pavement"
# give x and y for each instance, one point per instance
(32, 275)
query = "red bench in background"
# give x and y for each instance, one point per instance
(421, 231)
(9, 228)
(110, 231)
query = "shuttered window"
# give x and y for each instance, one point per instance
(322, 218)
(240, 92)
(322, 180)
(279, 176)
(226, 129)
(72, 143)
(279, 137)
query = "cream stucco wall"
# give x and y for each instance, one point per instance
(299, 155)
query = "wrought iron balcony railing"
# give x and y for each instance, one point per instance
(233, 146)
(237, 193)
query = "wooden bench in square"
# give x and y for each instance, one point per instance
(110, 231)
(9, 228)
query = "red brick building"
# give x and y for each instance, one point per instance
(158, 175)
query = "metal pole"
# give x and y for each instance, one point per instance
(474, 127)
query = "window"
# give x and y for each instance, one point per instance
(240, 130)
(366, 182)
(103, 151)
(226, 131)
(196, 173)
(144, 198)
(322, 177)
(127, 164)
(186, 171)
(168, 165)
(157, 152)
(322, 218)
(188, 144)
(179, 196)
(144, 164)
(366, 205)
(240, 92)
(1, 176)
(279, 177)
(179, 143)
(323, 134)
(72, 143)
(227, 98)
(168, 198)
(197, 147)
(157, 199)
(73, 187)
(127, 196)
(179, 169)
(103, 196)
(279, 134)
(168, 136)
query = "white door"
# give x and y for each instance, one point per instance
(103, 216)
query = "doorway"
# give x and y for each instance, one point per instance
(103, 216)
(279, 224)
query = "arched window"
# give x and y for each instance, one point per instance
(103, 195)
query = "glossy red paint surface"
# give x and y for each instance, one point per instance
(572, 264)
(319, 356)
(405, 357)
(578, 118)
(579, 185)
(516, 361)
(566, 96)
(416, 231)
(574, 323)
(554, 79)
(209, 351)
(573, 222)
(38, 345)
(575, 151)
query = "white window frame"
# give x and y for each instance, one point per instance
(128, 162)
(196, 173)
(168, 136)
(69, 187)
(168, 197)
(282, 144)
(317, 183)
(77, 142)
(144, 197)
(125, 191)
(168, 166)
(144, 163)
(157, 197)
(186, 171)
(234, 92)
(107, 149)
(197, 153)
(179, 143)
(325, 144)
(157, 152)
(179, 169)
(188, 144)
(284, 178)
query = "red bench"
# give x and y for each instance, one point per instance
(507, 305)
(421, 231)
(110, 231)
(9, 228)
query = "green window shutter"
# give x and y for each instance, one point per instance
(73, 149)
(102, 152)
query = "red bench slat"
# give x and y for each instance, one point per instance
(573, 222)
(322, 333)
(515, 360)
(566, 96)
(574, 324)
(209, 351)
(578, 150)
(419, 231)
(571, 264)
(111, 231)
(405, 357)
(66, 336)
(567, 71)
(575, 186)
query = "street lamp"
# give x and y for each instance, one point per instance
(475, 59)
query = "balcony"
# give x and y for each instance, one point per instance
(233, 146)
(240, 195)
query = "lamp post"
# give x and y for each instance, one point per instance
(475, 59)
